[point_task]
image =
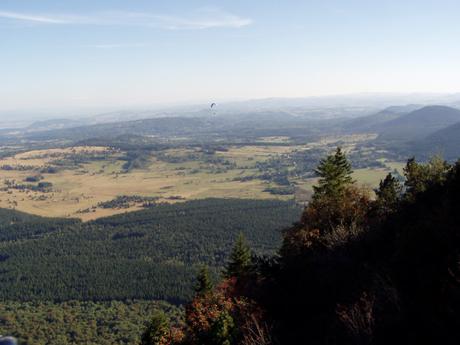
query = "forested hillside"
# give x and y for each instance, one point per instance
(352, 271)
(445, 142)
(149, 254)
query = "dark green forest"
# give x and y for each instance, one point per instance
(149, 254)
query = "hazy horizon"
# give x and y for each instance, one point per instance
(375, 100)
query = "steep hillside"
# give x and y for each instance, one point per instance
(351, 271)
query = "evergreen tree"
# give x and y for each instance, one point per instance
(388, 194)
(157, 332)
(203, 282)
(240, 259)
(335, 175)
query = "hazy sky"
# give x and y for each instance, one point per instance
(69, 53)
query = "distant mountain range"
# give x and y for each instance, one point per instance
(314, 108)
(373, 122)
(410, 129)
(418, 124)
(414, 130)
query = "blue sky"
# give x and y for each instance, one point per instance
(120, 53)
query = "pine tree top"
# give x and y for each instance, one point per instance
(335, 175)
(203, 281)
(240, 258)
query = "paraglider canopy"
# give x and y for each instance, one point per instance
(212, 108)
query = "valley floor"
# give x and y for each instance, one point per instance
(87, 182)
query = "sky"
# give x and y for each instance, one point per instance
(71, 54)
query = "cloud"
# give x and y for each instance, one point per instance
(196, 20)
(115, 45)
(200, 19)
(31, 18)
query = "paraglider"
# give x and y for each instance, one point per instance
(213, 105)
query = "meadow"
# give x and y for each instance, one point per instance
(80, 181)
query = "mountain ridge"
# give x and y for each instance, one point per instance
(419, 123)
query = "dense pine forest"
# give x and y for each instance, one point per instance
(81, 322)
(149, 254)
(353, 270)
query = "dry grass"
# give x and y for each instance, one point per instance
(98, 181)
(84, 188)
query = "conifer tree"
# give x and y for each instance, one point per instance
(203, 281)
(335, 175)
(388, 194)
(240, 259)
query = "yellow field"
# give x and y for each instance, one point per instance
(83, 188)
(76, 192)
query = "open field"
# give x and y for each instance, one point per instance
(77, 190)
(369, 177)
(79, 181)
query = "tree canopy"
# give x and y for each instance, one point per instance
(240, 258)
(334, 173)
(203, 281)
